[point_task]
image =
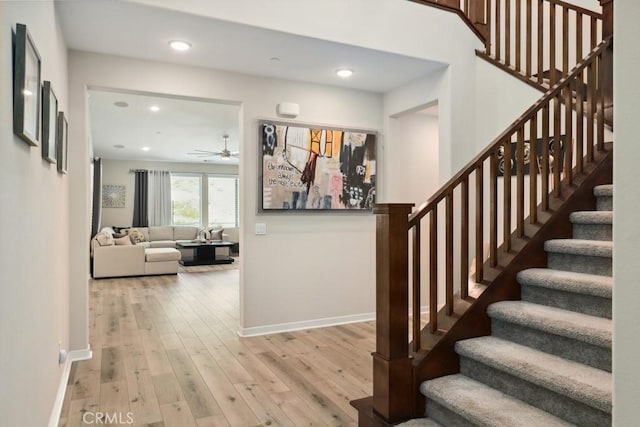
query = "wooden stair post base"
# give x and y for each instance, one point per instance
(392, 366)
(391, 380)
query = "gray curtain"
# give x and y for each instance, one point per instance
(141, 200)
(159, 198)
(97, 196)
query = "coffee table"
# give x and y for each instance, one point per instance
(203, 253)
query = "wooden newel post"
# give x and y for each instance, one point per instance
(607, 58)
(392, 367)
(607, 18)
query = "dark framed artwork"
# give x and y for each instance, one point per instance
(49, 122)
(553, 158)
(26, 87)
(61, 142)
(316, 168)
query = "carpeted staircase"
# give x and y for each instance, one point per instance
(548, 360)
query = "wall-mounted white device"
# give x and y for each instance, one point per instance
(288, 109)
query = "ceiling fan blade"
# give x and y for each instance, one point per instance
(202, 152)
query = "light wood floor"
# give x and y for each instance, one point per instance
(166, 353)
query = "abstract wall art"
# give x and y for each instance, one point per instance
(27, 96)
(306, 167)
(113, 196)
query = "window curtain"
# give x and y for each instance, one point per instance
(96, 207)
(159, 198)
(141, 199)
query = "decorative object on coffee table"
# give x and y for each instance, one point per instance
(27, 96)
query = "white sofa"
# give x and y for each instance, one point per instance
(133, 260)
(157, 254)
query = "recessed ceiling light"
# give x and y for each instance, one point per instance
(118, 146)
(120, 104)
(180, 45)
(146, 148)
(154, 108)
(344, 73)
(275, 58)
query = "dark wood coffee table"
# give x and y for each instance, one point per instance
(203, 253)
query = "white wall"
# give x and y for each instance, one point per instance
(34, 223)
(308, 266)
(429, 90)
(500, 100)
(626, 231)
(412, 160)
(116, 172)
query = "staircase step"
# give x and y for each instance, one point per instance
(574, 336)
(581, 256)
(604, 197)
(460, 401)
(569, 390)
(583, 293)
(594, 225)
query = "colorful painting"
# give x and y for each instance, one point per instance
(317, 168)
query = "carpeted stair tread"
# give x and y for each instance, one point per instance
(568, 281)
(581, 327)
(603, 190)
(484, 406)
(419, 422)
(592, 217)
(580, 382)
(596, 248)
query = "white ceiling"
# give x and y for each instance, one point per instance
(134, 30)
(177, 128)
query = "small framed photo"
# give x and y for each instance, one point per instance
(26, 87)
(49, 122)
(61, 144)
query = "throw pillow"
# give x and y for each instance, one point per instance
(136, 235)
(215, 233)
(123, 241)
(108, 230)
(104, 239)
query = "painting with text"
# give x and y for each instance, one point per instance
(317, 168)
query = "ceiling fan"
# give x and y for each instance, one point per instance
(225, 153)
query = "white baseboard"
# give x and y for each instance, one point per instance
(73, 356)
(307, 324)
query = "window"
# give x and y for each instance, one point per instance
(186, 199)
(223, 201)
(202, 199)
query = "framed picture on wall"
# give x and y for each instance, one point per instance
(49, 122)
(26, 87)
(316, 168)
(61, 142)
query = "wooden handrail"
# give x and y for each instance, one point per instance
(453, 6)
(558, 142)
(549, 43)
(576, 8)
(553, 92)
(547, 128)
